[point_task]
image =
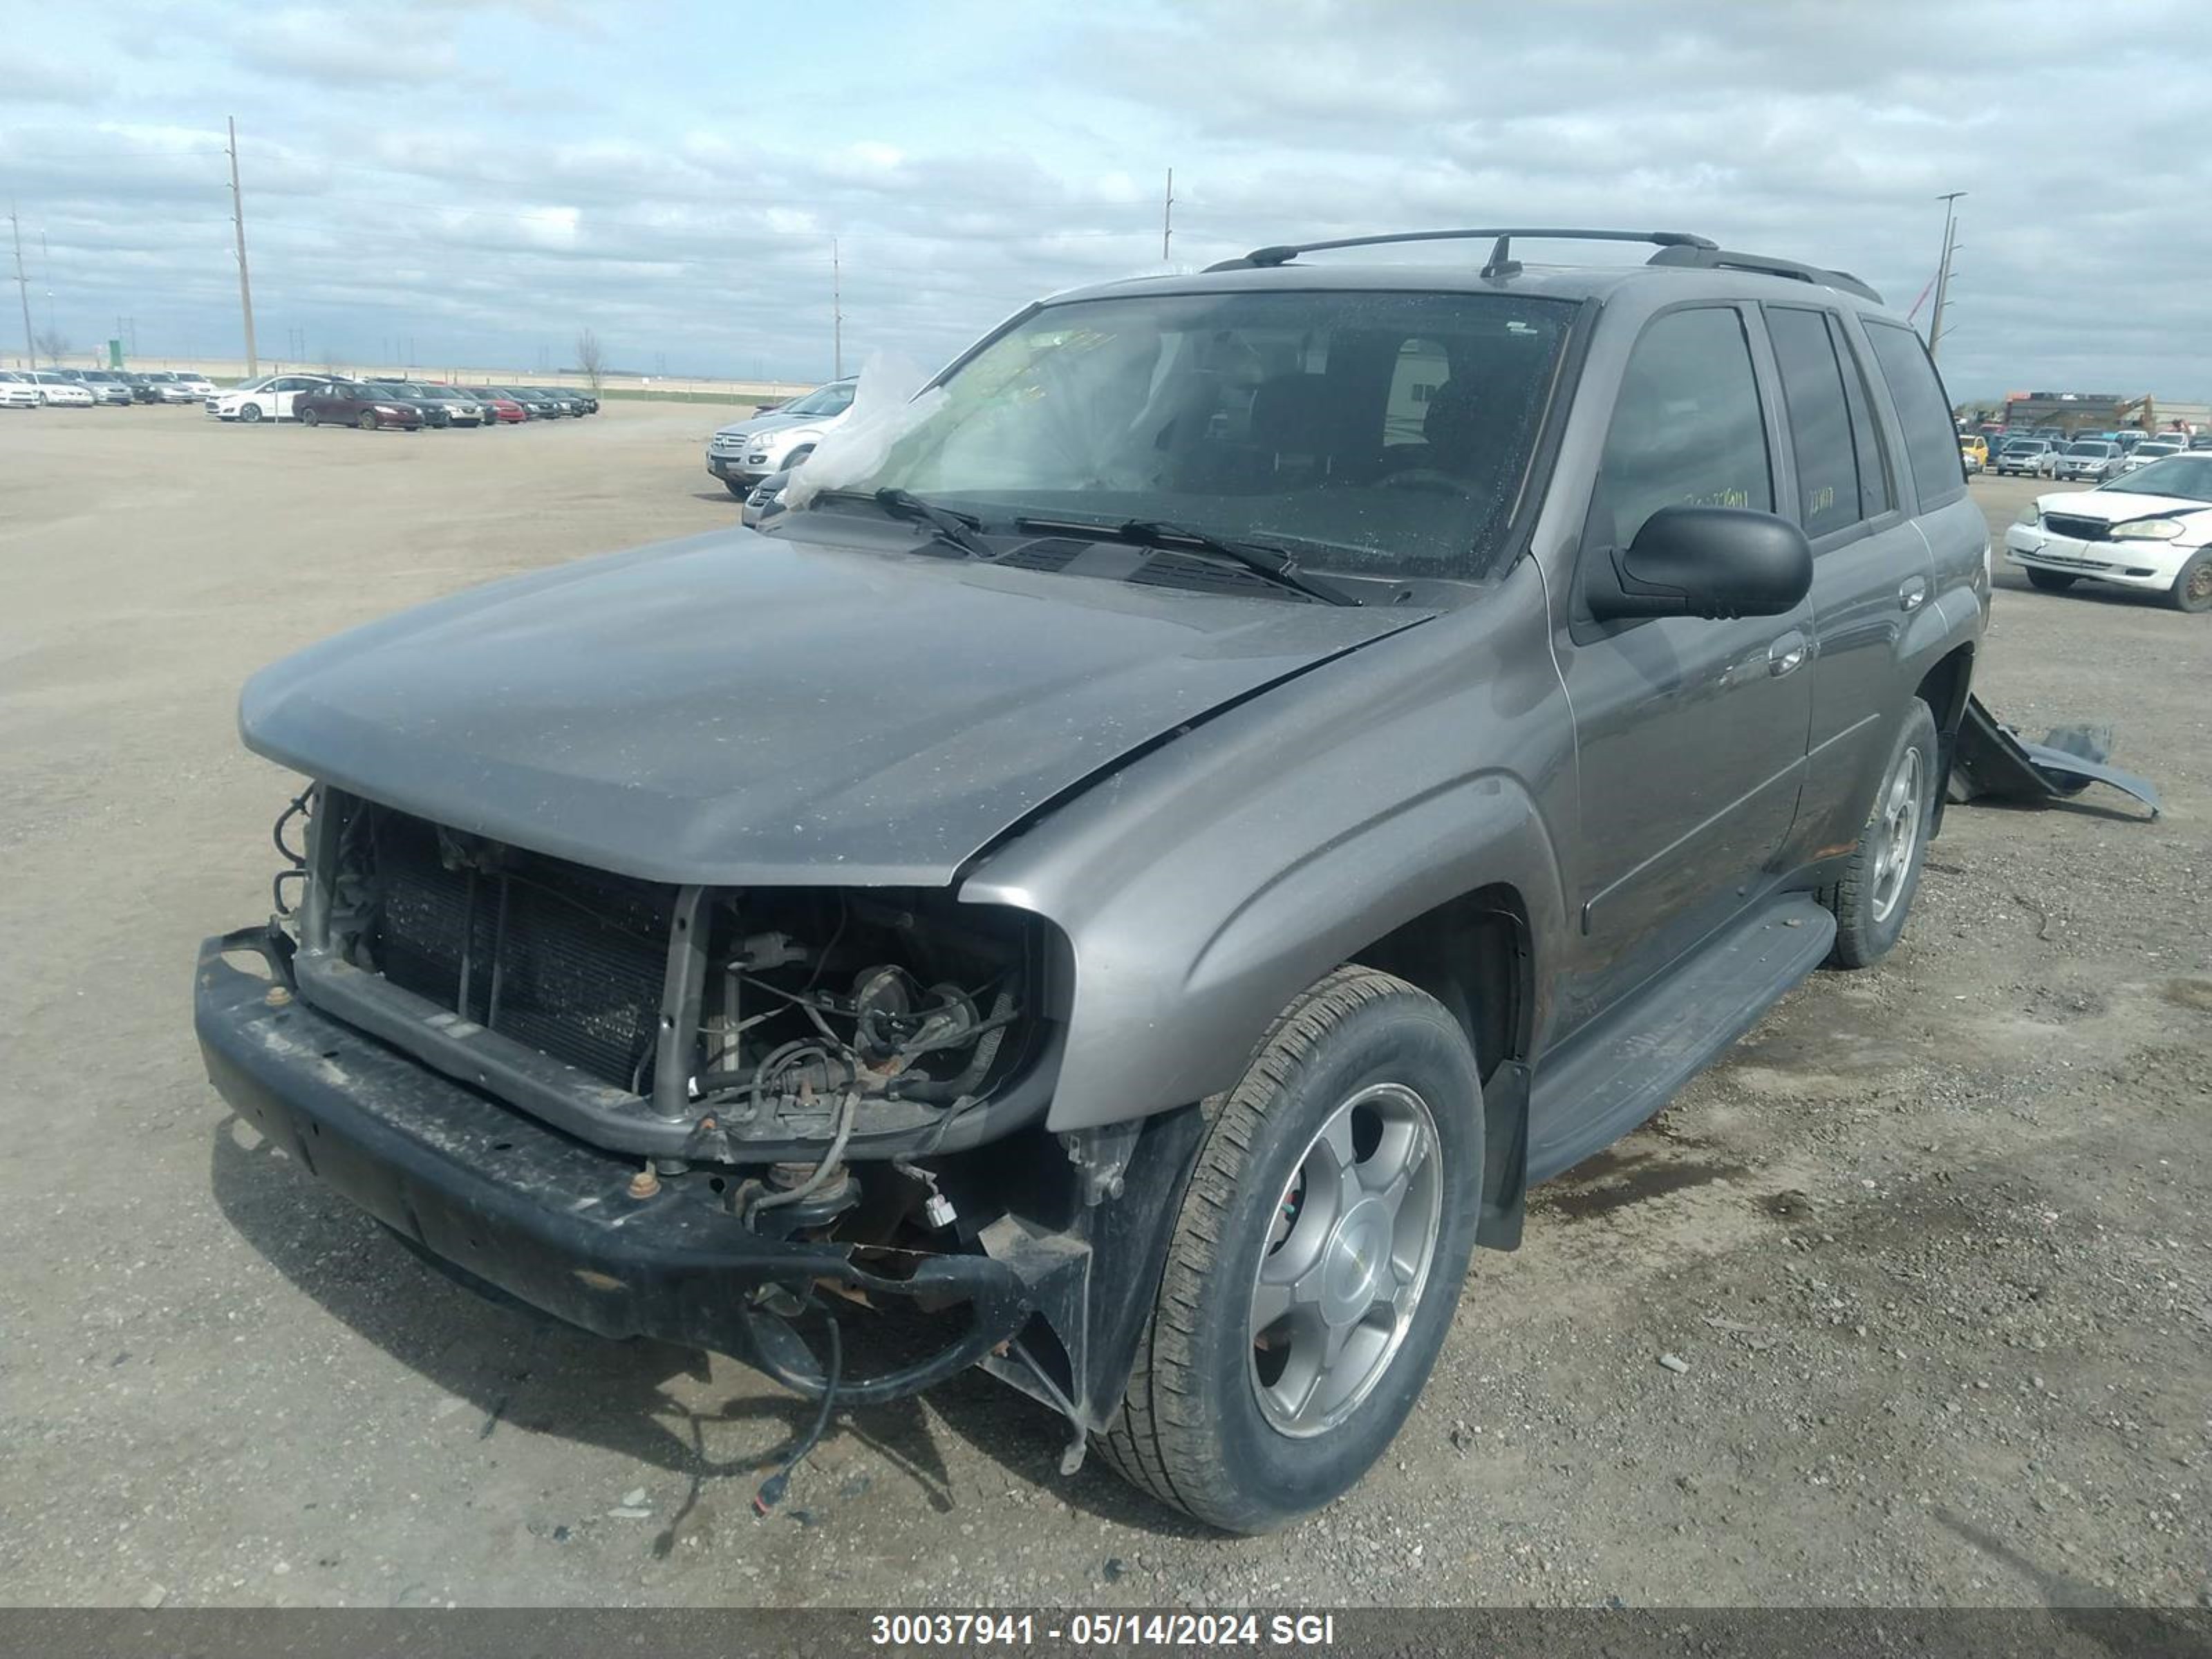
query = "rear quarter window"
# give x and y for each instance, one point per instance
(1924, 410)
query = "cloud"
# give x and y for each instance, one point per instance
(346, 48)
(490, 176)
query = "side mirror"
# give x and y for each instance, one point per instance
(1704, 561)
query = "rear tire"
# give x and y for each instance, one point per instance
(1365, 1087)
(2051, 581)
(1875, 896)
(2193, 588)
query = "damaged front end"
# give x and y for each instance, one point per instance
(691, 1113)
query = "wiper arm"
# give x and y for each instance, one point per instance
(957, 529)
(1272, 562)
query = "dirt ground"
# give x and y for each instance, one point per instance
(1934, 1246)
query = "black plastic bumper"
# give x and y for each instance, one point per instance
(541, 1217)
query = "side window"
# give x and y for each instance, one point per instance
(1819, 421)
(1931, 440)
(1876, 494)
(1687, 429)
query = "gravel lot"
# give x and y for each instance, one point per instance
(1934, 1246)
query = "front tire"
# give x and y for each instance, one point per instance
(250, 414)
(310, 417)
(2051, 581)
(367, 421)
(2193, 588)
(1316, 1261)
(736, 489)
(1875, 896)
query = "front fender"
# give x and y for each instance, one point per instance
(1204, 886)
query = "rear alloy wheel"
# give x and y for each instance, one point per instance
(1875, 894)
(2051, 581)
(367, 422)
(2193, 588)
(1315, 1262)
(250, 414)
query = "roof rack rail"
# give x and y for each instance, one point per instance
(1709, 257)
(1501, 261)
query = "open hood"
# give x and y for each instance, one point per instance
(739, 708)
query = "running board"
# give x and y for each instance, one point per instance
(1613, 1075)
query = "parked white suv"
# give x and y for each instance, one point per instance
(743, 452)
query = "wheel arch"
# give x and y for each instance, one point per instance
(1476, 954)
(1944, 687)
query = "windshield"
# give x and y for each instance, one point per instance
(1382, 434)
(833, 399)
(2186, 475)
(2098, 450)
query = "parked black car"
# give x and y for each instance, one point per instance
(1276, 762)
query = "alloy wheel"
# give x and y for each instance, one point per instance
(1348, 1255)
(1897, 832)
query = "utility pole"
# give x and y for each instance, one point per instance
(1167, 218)
(23, 289)
(836, 314)
(245, 282)
(1943, 270)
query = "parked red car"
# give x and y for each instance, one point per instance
(356, 402)
(502, 407)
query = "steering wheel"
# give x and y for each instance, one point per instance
(1426, 477)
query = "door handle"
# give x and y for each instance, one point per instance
(1787, 654)
(1912, 594)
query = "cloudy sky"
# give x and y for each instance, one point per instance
(483, 180)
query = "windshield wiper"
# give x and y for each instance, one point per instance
(1272, 562)
(955, 529)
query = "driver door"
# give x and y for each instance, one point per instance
(1690, 731)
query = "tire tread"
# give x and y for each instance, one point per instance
(1153, 1444)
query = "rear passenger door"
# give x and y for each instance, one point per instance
(1689, 730)
(1870, 568)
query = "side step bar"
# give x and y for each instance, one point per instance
(1611, 1076)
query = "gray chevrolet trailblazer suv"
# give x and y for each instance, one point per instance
(1273, 762)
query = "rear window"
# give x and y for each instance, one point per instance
(1931, 443)
(1819, 421)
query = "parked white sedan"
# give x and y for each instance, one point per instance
(16, 392)
(2149, 529)
(57, 390)
(269, 398)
